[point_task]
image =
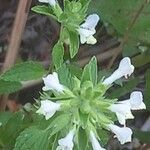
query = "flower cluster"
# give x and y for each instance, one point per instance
(89, 99)
(86, 30)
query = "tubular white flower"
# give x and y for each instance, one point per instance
(95, 143)
(51, 2)
(135, 102)
(52, 83)
(48, 108)
(87, 29)
(124, 134)
(66, 143)
(125, 69)
(122, 111)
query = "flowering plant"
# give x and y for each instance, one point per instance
(74, 111)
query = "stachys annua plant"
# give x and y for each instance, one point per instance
(88, 100)
(82, 101)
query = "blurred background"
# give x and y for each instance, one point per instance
(123, 30)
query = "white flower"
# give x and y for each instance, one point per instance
(66, 143)
(122, 111)
(52, 83)
(136, 101)
(48, 108)
(87, 29)
(94, 141)
(51, 2)
(125, 69)
(122, 133)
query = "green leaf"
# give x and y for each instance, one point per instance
(141, 60)
(58, 124)
(85, 5)
(74, 43)
(4, 117)
(75, 70)
(44, 10)
(65, 77)
(120, 16)
(11, 129)
(90, 71)
(24, 71)
(126, 88)
(82, 139)
(32, 139)
(142, 136)
(9, 86)
(103, 135)
(147, 90)
(130, 49)
(57, 55)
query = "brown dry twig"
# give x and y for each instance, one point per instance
(13, 48)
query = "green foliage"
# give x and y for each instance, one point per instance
(74, 43)
(24, 71)
(147, 90)
(32, 139)
(120, 14)
(84, 102)
(11, 129)
(58, 124)
(65, 76)
(4, 117)
(82, 142)
(90, 71)
(9, 86)
(44, 10)
(103, 135)
(141, 60)
(126, 88)
(57, 55)
(143, 136)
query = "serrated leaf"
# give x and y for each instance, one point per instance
(24, 71)
(90, 71)
(65, 76)
(9, 86)
(32, 139)
(44, 10)
(11, 129)
(58, 124)
(74, 43)
(57, 55)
